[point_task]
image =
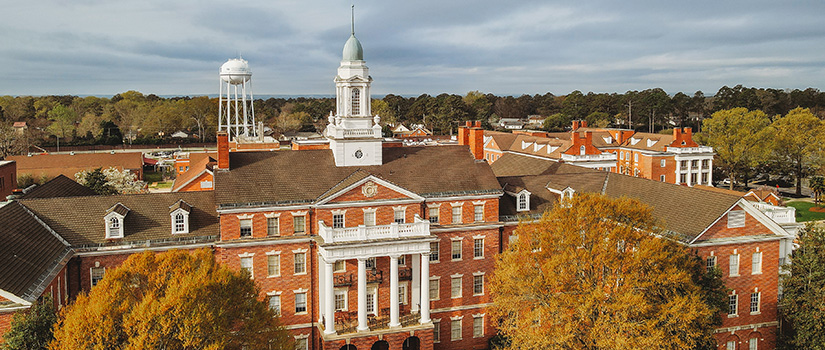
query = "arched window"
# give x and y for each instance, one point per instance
(114, 223)
(180, 223)
(356, 101)
(522, 202)
(582, 150)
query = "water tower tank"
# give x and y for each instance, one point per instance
(235, 71)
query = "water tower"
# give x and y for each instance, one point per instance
(235, 109)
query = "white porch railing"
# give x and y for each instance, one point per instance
(589, 157)
(782, 215)
(418, 228)
(341, 132)
(688, 150)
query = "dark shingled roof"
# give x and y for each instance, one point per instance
(271, 178)
(28, 251)
(60, 186)
(80, 219)
(684, 210)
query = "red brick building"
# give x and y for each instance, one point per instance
(672, 158)
(8, 178)
(52, 165)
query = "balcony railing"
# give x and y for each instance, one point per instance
(684, 150)
(373, 276)
(589, 157)
(347, 322)
(341, 132)
(418, 228)
(782, 215)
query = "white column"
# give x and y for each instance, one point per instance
(329, 300)
(321, 279)
(689, 172)
(416, 284)
(678, 170)
(362, 295)
(710, 172)
(394, 292)
(425, 291)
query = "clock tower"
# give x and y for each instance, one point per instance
(354, 134)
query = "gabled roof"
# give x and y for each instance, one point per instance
(60, 186)
(200, 163)
(648, 141)
(52, 165)
(79, 220)
(30, 252)
(180, 204)
(295, 177)
(684, 210)
(118, 208)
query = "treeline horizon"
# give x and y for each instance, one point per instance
(134, 117)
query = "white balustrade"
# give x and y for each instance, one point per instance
(417, 228)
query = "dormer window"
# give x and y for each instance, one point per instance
(114, 220)
(582, 150)
(523, 201)
(179, 214)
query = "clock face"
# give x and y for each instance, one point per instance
(359, 154)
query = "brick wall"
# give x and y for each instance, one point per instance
(8, 174)
(5, 323)
(195, 184)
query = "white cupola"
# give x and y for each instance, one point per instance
(354, 134)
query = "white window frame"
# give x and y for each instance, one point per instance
(456, 320)
(399, 214)
(433, 218)
(114, 225)
(369, 216)
(476, 277)
(273, 230)
(339, 218)
(302, 217)
(730, 345)
(370, 263)
(453, 250)
(437, 330)
(342, 268)
(436, 280)
(242, 225)
(662, 178)
(756, 263)
(295, 265)
(251, 268)
(478, 212)
(710, 262)
(270, 296)
(92, 274)
(476, 332)
(733, 301)
(269, 264)
(180, 227)
(758, 302)
(298, 294)
(753, 344)
(476, 250)
(340, 295)
(372, 291)
(434, 258)
(662, 163)
(523, 201)
(403, 293)
(456, 286)
(733, 264)
(456, 213)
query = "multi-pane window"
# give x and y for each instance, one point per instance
(273, 265)
(457, 214)
(246, 227)
(455, 287)
(246, 265)
(300, 263)
(371, 302)
(369, 218)
(635, 157)
(756, 263)
(434, 289)
(370, 263)
(272, 227)
(300, 302)
(180, 223)
(340, 300)
(402, 260)
(337, 220)
(662, 163)
(522, 202)
(299, 224)
(682, 178)
(684, 164)
(694, 163)
(734, 265)
(433, 251)
(114, 223)
(339, 266)
(693, 178)
(478, 285)
(436, 331)
(478, 213)
(455, 330)
(733, 304)
(402, 294)
(755, 298)
(711, 263)
(456, 249)
(731, 345)
(478, 248)
(97, 274)
(434, 215)
(356, 101)
(704, 178)
(752, 344)
(478, 326)
(301, 344)
(705, 164)
(398, 216)
(275, 304)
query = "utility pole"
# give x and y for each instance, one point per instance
(629, 114)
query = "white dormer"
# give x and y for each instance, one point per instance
(634, 141)
(537, 147)
(179, 215)
(607, 139)
(523, 200)
(114, 220)
(525, 145)
(650, 142)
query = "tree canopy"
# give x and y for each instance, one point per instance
(593, 273)
(798, 144)
(171, 300)
(110, 181)
(32, 330)
(739, 137)
(803, 290)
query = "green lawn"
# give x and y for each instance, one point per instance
(802, 213)
(151, 176)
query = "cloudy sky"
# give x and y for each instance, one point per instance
(175, 47)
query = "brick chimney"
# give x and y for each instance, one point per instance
(575, 125)
(476, 140)
(223, 150)
(464, 133)
(584, 123)
(677, 134)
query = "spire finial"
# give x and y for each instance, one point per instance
(353, 19)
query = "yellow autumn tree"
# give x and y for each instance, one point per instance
(599, 273)
(171, 300)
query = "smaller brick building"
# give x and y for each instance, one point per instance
(8, 178)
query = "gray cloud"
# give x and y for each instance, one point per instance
(428, 46)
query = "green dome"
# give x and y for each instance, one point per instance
(353, 50)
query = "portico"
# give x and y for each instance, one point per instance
(364, 243)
